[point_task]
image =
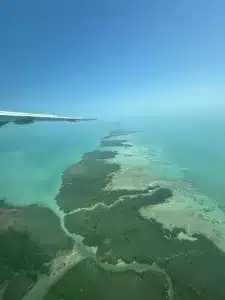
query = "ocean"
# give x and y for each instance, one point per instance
(33, 158)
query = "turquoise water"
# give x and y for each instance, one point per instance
(195, 144)
(33, 158)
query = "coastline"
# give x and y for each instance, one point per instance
(102, 218)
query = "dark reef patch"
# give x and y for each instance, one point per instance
(5, 205)
(114, 143)
(88, 281)
(120, 132)
(99, 155)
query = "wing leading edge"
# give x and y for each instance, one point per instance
(21, 118)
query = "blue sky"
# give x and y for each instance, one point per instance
(112, 57)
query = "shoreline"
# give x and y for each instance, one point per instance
(109, 235)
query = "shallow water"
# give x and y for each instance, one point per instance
(33, 158)
(194, 144)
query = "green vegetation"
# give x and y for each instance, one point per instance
(120, 132)
(88, 281)
(114, 143)
(83, 182)
(120, 232)
(21, 260)
(27, 247)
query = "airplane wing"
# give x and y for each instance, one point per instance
(21, 118)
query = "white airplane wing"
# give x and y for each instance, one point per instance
(21, 118)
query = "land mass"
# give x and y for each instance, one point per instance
(120, 132)
(110, 221)
(30, 238)
(135, 258)
(115, 143)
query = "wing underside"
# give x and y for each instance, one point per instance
(27, 118)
